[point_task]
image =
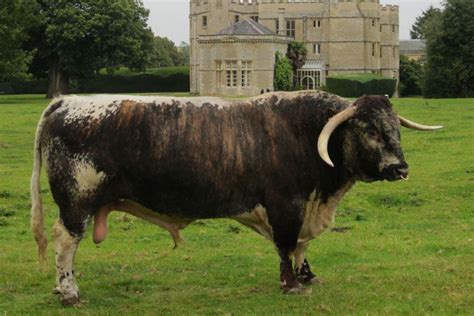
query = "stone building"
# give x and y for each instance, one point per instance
(413, 49)
(233, 42)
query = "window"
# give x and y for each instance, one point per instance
(231, 73)
(204, 21)
(237, 18)
(373, 22)
(373, 49)
(317, 49)
(309, 79)
(317, 23)
(290, 28)
(277, 26)
(255, 18)
(393, 28)
(219, 73)
(246, 73)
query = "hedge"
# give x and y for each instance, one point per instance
(24, 87)
(356, 85)
(174, 79)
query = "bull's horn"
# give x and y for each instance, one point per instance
(328, 129)
(409, 124)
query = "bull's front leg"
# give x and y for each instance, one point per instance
(288, 281)
(286, 224)
(302, 268)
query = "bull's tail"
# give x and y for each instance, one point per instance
(37, 211)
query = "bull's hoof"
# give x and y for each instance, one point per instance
(298, 290)
(70, 300)
(314, 280)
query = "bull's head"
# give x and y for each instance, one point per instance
(372, 147)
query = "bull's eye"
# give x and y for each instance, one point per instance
(373, 133)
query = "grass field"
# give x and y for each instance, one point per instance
(408, 247)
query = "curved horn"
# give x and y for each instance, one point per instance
(329, 128)
(409, 124)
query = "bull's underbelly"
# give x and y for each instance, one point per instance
(256, 219)
(317, 215)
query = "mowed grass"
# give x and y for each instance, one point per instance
(407, 247)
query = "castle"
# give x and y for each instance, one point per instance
(233, 42)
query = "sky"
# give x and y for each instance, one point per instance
(170, 17)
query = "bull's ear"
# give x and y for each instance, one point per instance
(419, 127)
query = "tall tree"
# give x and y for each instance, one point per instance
(15, 18)
(75, 38)
(297, 54)
(165, 53)
(282, 73)
(450, 52)
(411, 76)
(421, 25)
(184, 50)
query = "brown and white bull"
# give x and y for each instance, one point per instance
(175, 160)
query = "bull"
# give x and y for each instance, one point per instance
(171, 161)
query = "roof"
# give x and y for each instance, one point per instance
(246, 27)
(407, 46)
(312, 64)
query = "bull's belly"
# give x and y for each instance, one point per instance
(256, 219)
(317, 215)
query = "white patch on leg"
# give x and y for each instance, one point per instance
(86, 176)
(299, 254)
(66, 246)
(257, 220)
(318, 216)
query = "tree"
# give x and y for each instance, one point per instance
(76, 38)
(184, 50)
(411, 77)
(165, 53)
(450, 52)
(421, 25)
(283, 74)
(15, 17)
(297, 54)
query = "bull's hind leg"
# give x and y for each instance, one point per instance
(65, 247)
(302, 269)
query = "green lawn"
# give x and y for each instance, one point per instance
(408, 250)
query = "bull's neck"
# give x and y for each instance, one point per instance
(309, 115)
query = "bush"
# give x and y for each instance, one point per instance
(24, 87)
(172, 79)
(356, 85)
(283, 74)
(133, 84)
(6, 88)
(411, 77)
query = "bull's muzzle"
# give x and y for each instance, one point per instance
(396, 172)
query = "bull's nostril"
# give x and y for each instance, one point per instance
(402, 173)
